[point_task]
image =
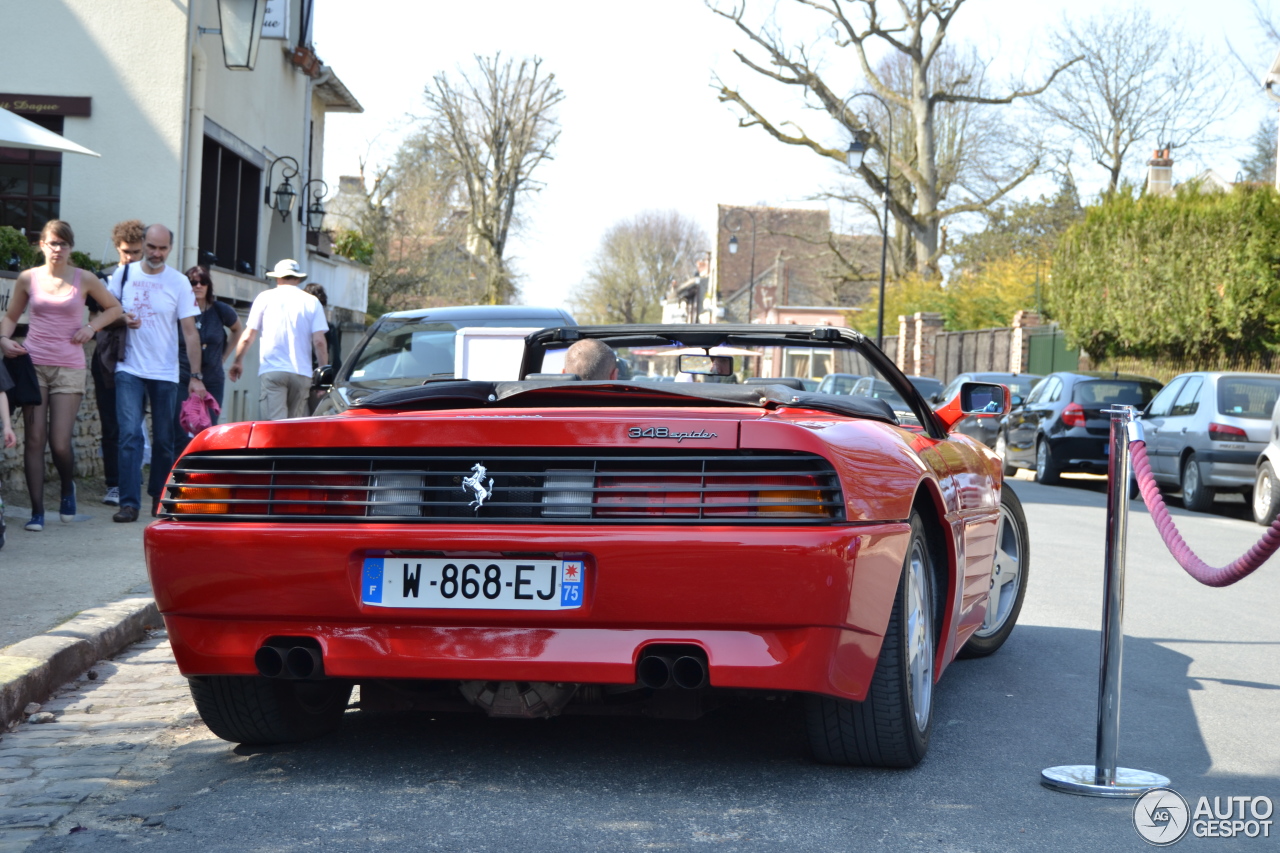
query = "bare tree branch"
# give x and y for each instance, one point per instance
(500, 125)
(933, 112)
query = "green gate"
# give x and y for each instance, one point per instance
(1049, 352)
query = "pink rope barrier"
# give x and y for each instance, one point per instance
(1181, 551)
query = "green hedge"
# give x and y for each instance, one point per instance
(1193, 275)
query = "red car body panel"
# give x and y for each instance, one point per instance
(799, 608)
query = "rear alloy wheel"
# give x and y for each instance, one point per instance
(1266, 495)
(891, 727)
(1002, 450)
(1008, 579)
(255, 710)
(1046, 469)
(1196, 496)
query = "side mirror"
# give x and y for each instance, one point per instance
(979, 399)
(323, 376)
(707, 365)
(1015, 400)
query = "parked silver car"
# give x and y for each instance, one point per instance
(1266, 483)
(1205, 432)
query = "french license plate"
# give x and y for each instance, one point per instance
(472, 583)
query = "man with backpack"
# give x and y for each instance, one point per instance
(127, 238)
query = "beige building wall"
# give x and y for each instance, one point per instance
(131, 58)
(152, 103)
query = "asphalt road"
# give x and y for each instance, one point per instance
(1201, 705)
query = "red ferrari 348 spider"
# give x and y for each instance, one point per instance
(551, 545)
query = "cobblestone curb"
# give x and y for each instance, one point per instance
(31, 670)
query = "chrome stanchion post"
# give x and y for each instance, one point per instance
(1103, 778)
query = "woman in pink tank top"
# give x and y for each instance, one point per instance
(53, 296)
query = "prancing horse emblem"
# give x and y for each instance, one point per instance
(475, 485)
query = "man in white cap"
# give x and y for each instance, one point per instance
(291, 323)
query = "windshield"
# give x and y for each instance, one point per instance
(405, 352)
(1111, 392)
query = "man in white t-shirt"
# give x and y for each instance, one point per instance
(156, 299)
(291, 323)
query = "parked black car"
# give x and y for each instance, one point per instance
(928, 387)
(1061, 427)
(986, 429)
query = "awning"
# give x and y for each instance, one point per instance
(17, 132)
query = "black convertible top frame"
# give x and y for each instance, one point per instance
(739, 335)
(436, 394)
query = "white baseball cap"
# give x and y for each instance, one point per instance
(288, 268)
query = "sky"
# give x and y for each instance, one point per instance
(641, 127)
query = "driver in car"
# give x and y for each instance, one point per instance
(591, 359)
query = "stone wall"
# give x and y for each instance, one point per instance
(86, 439)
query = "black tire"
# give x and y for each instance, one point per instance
(1047, 470)
(1266, 495)
(891, 727)
(1196, 496)
(1002, 450)
(255, 710)
(1013, 554)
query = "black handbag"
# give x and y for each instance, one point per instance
(26, 386)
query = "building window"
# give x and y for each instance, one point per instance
(230, 198)
(31, 182)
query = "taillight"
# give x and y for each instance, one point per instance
(234, 493)
(789, 495)
(318, 494)
(219, 493)
(1225, 432)
(782, 495)
(201, 494)
(1073, 415)
(637, 496)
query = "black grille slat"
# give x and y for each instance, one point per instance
(611, 487)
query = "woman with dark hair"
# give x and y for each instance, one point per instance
(53, 295)
(211, 323)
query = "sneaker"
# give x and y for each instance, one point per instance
(36, 524)
(67, 509)
(112, 497)
(126, 514)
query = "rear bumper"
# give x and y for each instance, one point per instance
(1080, 453)
(783, 609)
(817, 660)
(1232, 474)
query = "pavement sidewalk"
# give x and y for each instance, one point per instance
(73, 594)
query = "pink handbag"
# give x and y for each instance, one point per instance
(197, 412)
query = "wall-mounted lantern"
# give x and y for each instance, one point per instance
(284, 194)
(315, 211)
(240, 24)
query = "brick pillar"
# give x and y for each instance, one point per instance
(1020, 342)
(906, 343)
(928, 324)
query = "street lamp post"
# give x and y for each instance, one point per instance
(857, 150)
(733, 250)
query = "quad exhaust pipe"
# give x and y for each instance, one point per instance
(663, 671)
(283, 659)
